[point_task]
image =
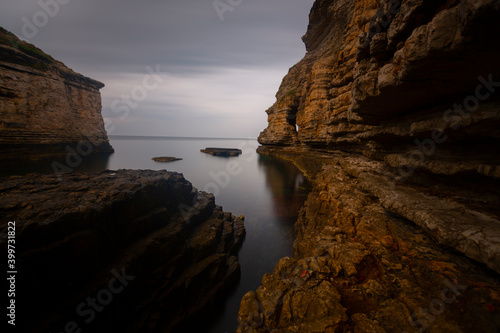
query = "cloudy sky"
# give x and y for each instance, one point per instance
(217, 64)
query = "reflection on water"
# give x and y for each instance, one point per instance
(270, 232)
(91, 163)
(288, 188)
(267, 191)
(286, 184)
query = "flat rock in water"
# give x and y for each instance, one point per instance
(166, 159)
(222, 151)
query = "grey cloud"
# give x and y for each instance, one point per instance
(102, 38)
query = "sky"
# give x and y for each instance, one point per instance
(189, 68)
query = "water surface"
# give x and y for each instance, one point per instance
(267, 191)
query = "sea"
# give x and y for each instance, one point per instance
(268, 191)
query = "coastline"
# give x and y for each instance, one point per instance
(358, 265)
(393, 116)
(143, 245)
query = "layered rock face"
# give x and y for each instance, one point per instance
(361, 265)
(45, 106)
(380, 74)
(394, 116)
(124, 251)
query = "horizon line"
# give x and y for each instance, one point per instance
(179, 137)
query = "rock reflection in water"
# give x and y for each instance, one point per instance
(61, 163)
(288, 188)
(270, 216)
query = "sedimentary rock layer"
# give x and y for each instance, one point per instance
(127, 251)
(44, 105)
(363, 264)
(412, 83)
(394, 115)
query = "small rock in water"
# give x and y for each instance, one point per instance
(225, 152)
(166, 159)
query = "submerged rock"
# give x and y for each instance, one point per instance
(166, 159)
(224, 152)
(128, 251)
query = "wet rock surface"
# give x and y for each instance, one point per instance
(166, 159)
(363, 265)
(131, 251)
(223, 152)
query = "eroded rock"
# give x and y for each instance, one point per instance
(390, 272)
(393, 114)
(76, 233)
(46, 107)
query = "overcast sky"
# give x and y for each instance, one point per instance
(219, 66)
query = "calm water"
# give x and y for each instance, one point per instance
(267, 191)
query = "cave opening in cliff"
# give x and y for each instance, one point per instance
(291, 118)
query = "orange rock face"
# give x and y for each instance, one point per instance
(379, 74)
(393, 114)
(44, 104)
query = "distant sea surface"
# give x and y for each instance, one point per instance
(267, 191)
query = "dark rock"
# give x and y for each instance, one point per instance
(77, 232)
(166, 159)
(224, 152)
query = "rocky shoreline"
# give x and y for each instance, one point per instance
(126, 250)
(393, 115)
(361, 265)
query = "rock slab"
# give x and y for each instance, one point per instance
(223, 152)
(131, 251)
(166, 159)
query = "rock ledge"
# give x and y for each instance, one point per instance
(74, 234)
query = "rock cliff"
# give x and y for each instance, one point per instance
(45, 106)
(379, 74)
(394, 115)
(116, 251)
